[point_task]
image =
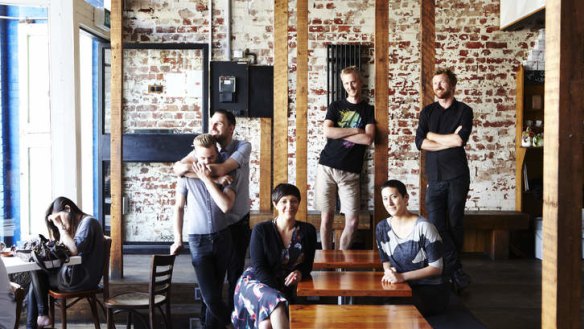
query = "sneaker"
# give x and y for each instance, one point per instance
(459, 280)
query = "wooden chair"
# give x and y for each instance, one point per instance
(158, 295)
(60, 298)
(18, 297)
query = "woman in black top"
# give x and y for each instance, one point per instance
(282, 253)
(83, 236)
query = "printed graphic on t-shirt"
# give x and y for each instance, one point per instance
(349, 119)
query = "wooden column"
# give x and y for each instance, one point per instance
(265, 164)
(562, 197)
(519, 151)
(381, 108)
(116, 227)
(428, 58)
(280, 160)
(301, 102)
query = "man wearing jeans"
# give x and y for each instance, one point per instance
(210, 240)
(234, 155)
(443, 130)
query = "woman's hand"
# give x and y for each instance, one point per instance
(61, 221)
(293, 278)
(392, 276)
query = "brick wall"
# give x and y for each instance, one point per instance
(486, 60)
(178, 107)
(467, 39)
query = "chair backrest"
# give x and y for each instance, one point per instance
(18, 298)
(161, 276)
(107, 246)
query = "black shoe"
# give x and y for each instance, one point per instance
(459, 281)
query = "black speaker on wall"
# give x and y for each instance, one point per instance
(261, 91)
(243, 89)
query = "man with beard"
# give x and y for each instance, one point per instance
(349, 127)
(443, 131)
(233, 155)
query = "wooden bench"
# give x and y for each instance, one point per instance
(347, 259)
(488, 231)
(356, 316)
(351, 284)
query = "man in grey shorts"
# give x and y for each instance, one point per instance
(349, 127)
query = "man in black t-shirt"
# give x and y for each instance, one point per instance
(443, 131)
(349, 127)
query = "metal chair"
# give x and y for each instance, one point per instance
(18, 298)
(60, 298)
(158, 295)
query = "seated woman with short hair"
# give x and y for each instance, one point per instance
(282, 253)
(411, 250)
(83, 236)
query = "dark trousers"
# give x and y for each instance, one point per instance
(445, 205)
(240, 235)
(38, 296)
(431, 299)
(211, 253)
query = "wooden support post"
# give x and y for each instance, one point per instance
(116, 227)
(301, 102)
(381, 108)
(280, 159)
(562, 181)
(519, 151)
(265, 164)
(428, 56)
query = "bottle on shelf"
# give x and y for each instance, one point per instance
(538, 140)
(527, 135)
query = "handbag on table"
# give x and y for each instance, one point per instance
(49, 255)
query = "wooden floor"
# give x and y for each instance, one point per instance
(505, 294)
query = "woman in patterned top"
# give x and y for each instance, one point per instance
(411, 250)
(282, 253)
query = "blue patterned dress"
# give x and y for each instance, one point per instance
(254, 301)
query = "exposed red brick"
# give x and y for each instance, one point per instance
(474, 45)
(497, 45)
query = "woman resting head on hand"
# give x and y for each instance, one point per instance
(411, 250)
(82, 235)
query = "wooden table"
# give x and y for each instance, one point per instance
(15, 264)
(356, 316)
(347, 259)
(352, 284)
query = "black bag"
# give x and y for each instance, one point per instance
(49, 255)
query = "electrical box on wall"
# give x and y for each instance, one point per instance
(243, 89)
(226, 88)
